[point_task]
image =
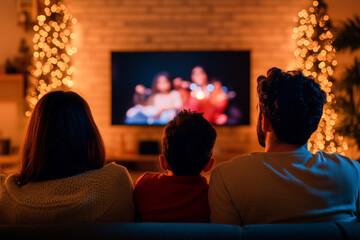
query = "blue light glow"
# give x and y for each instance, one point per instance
(210, 87)
(193, 86)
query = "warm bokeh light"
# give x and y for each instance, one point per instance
(315, 56)
(52, 50)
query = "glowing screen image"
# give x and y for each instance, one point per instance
(150, 88)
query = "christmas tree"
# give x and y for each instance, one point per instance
(51, 66)
(315, 56)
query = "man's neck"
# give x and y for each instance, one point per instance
(274, 145)
(284, 148)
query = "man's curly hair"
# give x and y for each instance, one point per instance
(187, 143)
(293, 104)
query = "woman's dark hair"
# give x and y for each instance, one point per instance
(168, 76)
(62, 139)
(188, 141)
(293, 104)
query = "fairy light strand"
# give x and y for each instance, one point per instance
(315, 56)
(51, 66)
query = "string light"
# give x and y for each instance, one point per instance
(315, 56)
(52, 50)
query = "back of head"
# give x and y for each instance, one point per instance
(62, 139)
(188, 141)
(293, 104)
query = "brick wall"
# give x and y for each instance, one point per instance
(262, 26)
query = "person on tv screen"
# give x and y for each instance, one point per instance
(206, 97)
(158, 107)
(183, 87)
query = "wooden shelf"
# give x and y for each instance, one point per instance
(12, 87)
(132, 158)
(8, 161)
(13, 160)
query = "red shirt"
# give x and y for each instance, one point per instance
(163, 198)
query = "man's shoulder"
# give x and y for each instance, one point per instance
(241, 161)
(334, 156)
(338, 159)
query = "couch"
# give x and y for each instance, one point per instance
(176, 231)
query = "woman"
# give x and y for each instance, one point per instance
(62, 178)
(207, 98)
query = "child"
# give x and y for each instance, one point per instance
(164, 99)
(181, 195)
(158, 108)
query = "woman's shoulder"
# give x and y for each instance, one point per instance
(111, 171)
(114, 167)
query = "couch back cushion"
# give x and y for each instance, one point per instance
(329, 231)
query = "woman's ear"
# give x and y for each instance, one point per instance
(209, 165)
(163, 163)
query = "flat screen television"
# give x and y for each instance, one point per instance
(149, 88)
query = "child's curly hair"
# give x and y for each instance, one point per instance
(188, 141)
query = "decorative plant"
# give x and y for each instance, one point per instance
(348, 84)
(21, 61)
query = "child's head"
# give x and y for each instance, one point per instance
(188, 142)
(199, 76)
(162, 83)
(217, 84)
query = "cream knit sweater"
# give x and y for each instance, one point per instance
(103, 195)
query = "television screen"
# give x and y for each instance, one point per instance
(150, 88)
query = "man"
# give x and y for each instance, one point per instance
(286, 183)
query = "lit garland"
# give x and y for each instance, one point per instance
(52, 50)
(315, 56)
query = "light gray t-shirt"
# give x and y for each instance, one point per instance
(285, 187)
